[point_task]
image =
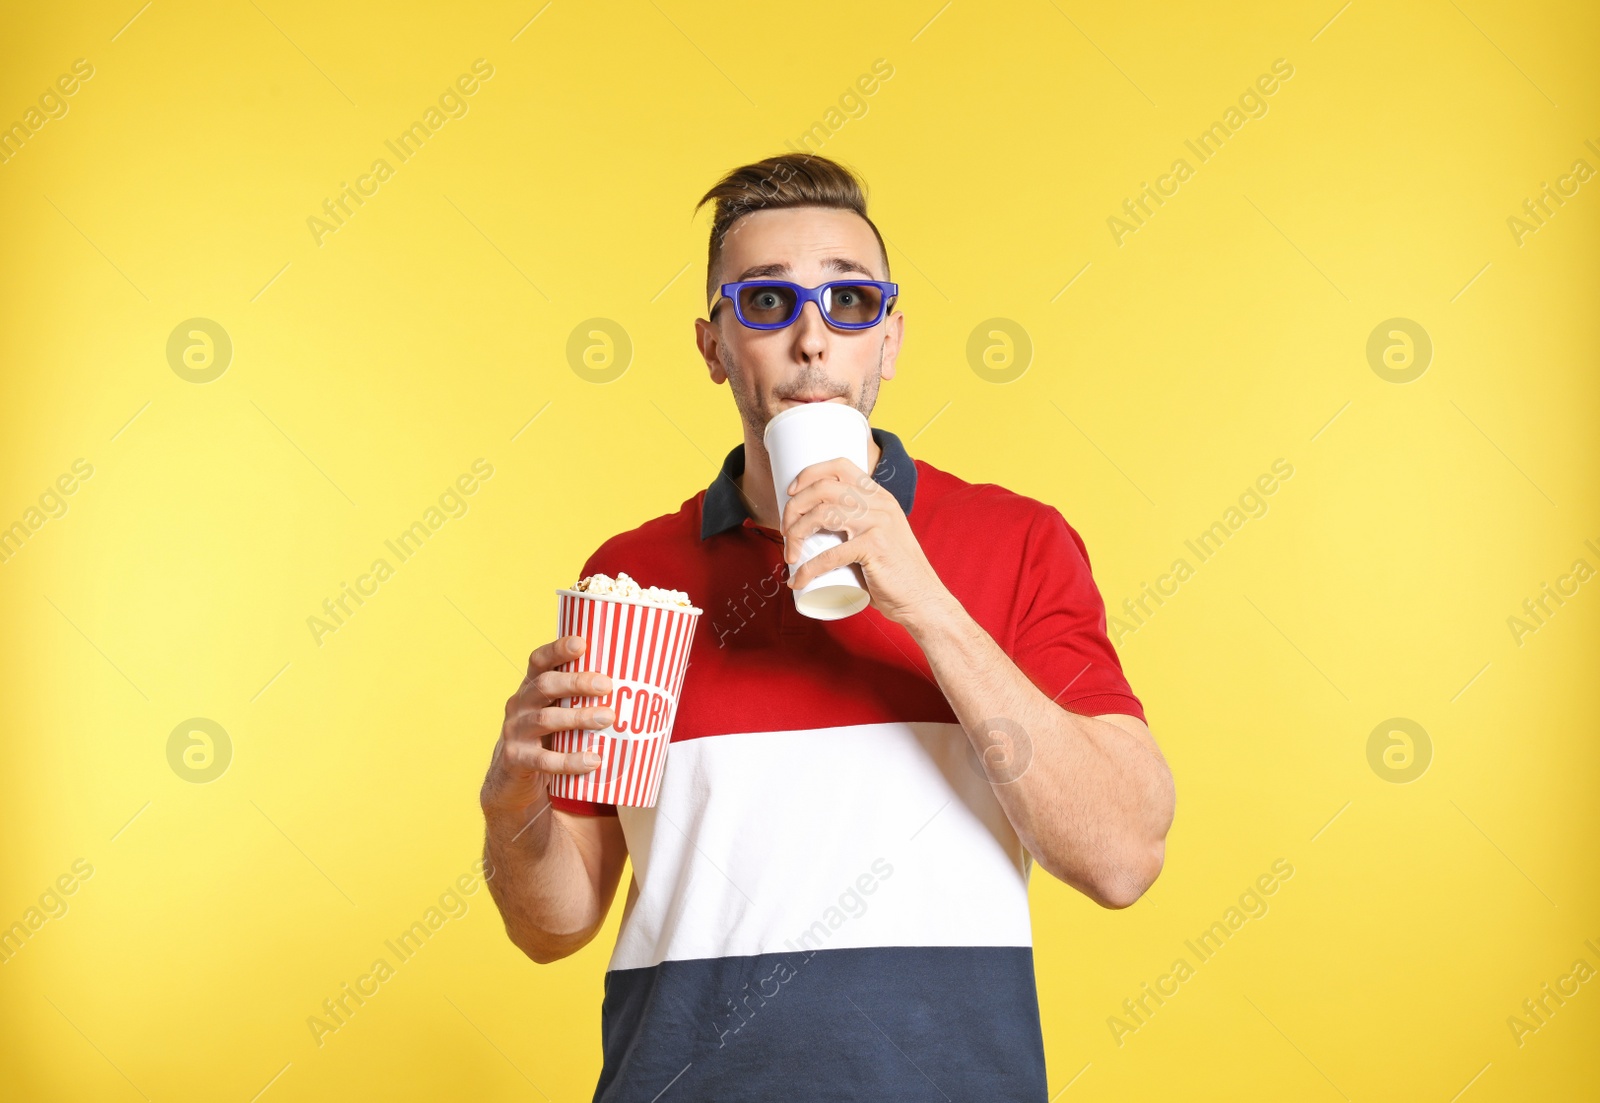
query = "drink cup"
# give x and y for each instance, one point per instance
(644, 649)
(796, 438)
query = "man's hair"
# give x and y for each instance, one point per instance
(788, 180)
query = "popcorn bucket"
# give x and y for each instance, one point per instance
(644, 649)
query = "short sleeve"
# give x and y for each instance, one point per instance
(598, 563)
(1060, 624)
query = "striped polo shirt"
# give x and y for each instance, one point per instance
(828, 900)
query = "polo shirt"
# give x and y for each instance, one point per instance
(827, 900)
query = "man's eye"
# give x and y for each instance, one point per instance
(846, 297)
(766, 300)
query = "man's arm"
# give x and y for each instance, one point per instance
(554, 882)
(552, 875)
(1090, 797)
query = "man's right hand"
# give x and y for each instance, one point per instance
(516, 777)
(552, 876)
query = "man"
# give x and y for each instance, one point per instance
(830, 898)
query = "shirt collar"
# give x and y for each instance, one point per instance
(724, 509)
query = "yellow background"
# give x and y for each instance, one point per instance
(371, 370)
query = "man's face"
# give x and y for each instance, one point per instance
(772, 370)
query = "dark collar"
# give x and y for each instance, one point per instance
(724, 509)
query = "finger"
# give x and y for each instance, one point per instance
(836, 556)
(814, 475)
(534, 723)
(553, 685)
(826, 517)
(551, 655)
(531, 755)
(533, 691)
(806, 499)
(839, 468)
(846, 500)
(854, 496)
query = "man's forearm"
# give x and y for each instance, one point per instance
(539, 882)
(1089, 800)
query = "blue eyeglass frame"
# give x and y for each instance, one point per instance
(804, 295)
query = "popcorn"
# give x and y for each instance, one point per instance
(602, 585)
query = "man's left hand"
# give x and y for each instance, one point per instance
(837, 496)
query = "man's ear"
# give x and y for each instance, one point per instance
(894, 333)
(709, 340)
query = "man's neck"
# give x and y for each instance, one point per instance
(755, 485)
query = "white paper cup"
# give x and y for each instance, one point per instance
(796, 438)
(644, 649)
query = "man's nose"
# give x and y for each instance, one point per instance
(811, 332)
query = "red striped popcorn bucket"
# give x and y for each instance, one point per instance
(644, 649)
